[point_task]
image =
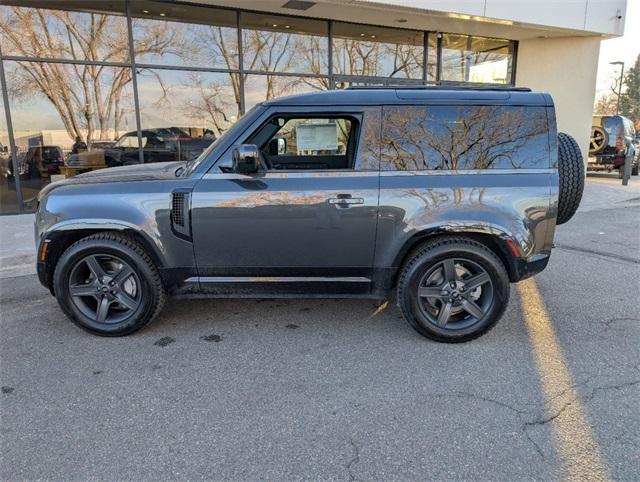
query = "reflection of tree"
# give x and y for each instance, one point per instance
(88, 98)
(211, 102)
(460, 137)
(377, 59)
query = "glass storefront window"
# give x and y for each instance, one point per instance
(259, 88)
(8, 197)
(198, 68)
(282, 44)
(176, 35)
(61, 34)
(369, 51)
(182, 113)
(65, 117)
(476, 59)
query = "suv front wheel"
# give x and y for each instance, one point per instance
(453, 289)
(108, 285)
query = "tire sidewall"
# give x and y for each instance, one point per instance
(95, 246)
(407, 295)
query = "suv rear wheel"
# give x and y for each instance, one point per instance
(108, 285)
(453, 289)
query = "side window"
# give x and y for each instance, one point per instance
(464, 137)
(307, 143)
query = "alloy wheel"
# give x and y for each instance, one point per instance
(104, 288)
(455, 293)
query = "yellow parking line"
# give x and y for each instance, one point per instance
(575, 444)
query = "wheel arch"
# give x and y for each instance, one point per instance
(500, 243)
(62, 236)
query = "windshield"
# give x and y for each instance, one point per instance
(191, 165)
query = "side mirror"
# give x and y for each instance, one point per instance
(277, 146)
(246, 159)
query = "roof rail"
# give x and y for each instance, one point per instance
(440, 87)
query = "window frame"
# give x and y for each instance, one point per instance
(352, 144)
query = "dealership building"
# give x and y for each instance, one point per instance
(85, 79)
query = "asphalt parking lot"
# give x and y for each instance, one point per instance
(317, 389)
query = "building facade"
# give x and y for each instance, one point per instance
(89, 84)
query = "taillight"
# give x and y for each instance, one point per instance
(619, 143)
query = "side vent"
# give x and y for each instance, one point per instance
(181, 213)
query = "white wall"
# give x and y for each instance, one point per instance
(598, 16)
(566, 68)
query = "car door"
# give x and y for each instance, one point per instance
(305, 224)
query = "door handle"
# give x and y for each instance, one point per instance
(345, 200)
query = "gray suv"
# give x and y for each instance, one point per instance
(441, 196)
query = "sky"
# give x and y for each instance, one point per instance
(625, 49)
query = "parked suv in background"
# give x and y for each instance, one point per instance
(445, 196)
(612, 137)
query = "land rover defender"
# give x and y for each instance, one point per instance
(438, 197)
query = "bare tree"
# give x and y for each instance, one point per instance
(606, 104)
(90, 99)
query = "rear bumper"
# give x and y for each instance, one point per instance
(610, 160)
(523, 268)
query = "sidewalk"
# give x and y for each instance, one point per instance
(17, 246)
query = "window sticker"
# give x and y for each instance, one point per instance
(317, 137)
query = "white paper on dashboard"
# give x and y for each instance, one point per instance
(317, 137)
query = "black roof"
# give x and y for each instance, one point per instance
(417, 95)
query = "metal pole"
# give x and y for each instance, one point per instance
(628, 160)
(134, 79)
(620, 88)
(330, 53)
(12, 141)
(241, 75)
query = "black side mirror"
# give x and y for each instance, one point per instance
(246, 159)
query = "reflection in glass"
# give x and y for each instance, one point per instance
(432, 57)
(8, 197)
(377, 51)
(63, 115)
(464, 137)
(181, 37)
(283, 44)
(259, 88)
(476, 59)
(183, 112)
(36, 32)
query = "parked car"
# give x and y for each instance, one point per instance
(612, 138)
(158, 145)
(333, 194)
(39, 161)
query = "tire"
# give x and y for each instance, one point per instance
(426, 268)
(599, 140)
(133, 296)
(571, 177)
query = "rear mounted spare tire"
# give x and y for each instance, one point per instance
(571, 177)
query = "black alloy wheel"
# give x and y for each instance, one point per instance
(453, 289)
(104, 288)
(108, 285)
(455, 293)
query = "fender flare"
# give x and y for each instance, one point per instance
(102, 224)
